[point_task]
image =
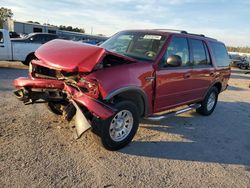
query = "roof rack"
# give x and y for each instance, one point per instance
(200, 35)
(175, 30)
(184, 32)
(180, 31)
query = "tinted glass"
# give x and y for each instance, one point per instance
(199, 53)
(35, 39)
(45, 38)
(1, 37)
(178, 46)
(220, 54)
(138, 45)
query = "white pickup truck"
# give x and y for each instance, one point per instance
(21, 49)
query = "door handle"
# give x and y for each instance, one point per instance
(2, 46)
(187, 75)
(150, 78)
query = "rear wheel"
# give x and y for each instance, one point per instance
(209, 103)
(118, 130)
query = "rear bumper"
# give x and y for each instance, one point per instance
(96, 107)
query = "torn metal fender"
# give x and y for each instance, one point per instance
(96, 107)
(81, 123)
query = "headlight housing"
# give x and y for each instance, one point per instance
(90, 85)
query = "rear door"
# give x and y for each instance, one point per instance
(173, 86)
(203, 73)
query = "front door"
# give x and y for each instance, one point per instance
(173, 84)
(4, 51)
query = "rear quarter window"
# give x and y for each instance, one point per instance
(220, 54)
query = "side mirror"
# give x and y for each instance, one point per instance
(173, 61)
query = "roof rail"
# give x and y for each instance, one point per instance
(180, 31)
(175, 30)
(200, 35)
(184, 32)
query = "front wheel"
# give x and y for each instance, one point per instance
(118, 131)
(55, 107)
(209, 103)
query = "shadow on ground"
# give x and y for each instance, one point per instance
(234, 88)
(237, 71)
(223, 137)
(242, 76)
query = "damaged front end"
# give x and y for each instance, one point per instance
(77, 96)
(78, 102)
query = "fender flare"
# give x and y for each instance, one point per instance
(136, 89)
(214, 83)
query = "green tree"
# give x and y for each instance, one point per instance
(5, 13)
(33, 22)
(245, 49)
(70, 28)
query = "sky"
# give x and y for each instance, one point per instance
(225, 20)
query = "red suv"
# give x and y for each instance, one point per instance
(134, 74)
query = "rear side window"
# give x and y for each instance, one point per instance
(200, 53)
(220, 54)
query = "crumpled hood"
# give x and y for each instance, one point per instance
(70, 56)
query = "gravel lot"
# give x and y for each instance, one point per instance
(37, 149)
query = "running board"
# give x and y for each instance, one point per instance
(175, 113)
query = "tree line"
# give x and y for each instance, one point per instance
(238, 49)
(62, 27)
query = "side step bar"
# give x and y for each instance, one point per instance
(175, 113)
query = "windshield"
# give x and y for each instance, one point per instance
(138, 45)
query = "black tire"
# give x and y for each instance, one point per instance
(204, 109)
(55, 108)
(242, 67)
(101, 129)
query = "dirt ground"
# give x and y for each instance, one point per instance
(37, 149)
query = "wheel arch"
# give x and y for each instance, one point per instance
(30, 56)
(134, 94)
(218, 85)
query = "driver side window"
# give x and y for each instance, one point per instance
(179, 47)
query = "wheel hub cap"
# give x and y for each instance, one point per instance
(211, 101)
(121, 125)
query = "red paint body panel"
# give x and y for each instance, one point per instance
(114, 78)
(96, 107)
(70, 56)
(172, 88)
